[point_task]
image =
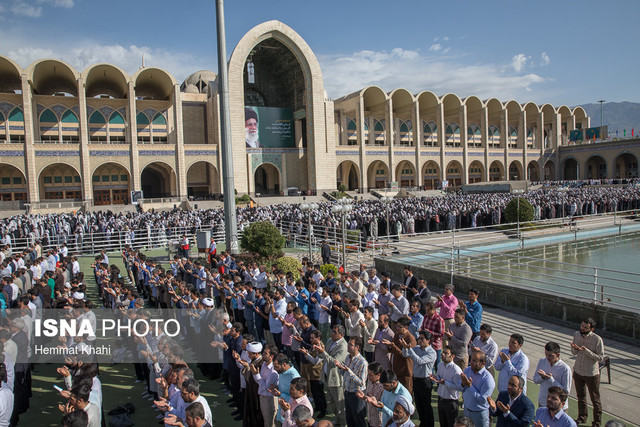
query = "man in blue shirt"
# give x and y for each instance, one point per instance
(553, 415)
(512, 361)
(477, 384)
(423, 357)
(473, 312)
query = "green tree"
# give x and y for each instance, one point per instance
(342, 188)
(262, 238)
(525, 210)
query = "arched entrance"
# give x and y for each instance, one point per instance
(496, 171)
(476, 172)
(533, 171)
(158, 180)
(406, 174)
(454, 174)
(202, 180)
(13, 184)
(267, 179)
(60, 181)
(348, 174)
(515, 171)
(626, 166)
(596, 168)
(431, 173)
(571, 171)
(111, 185)
(378, 174)
(549, 171)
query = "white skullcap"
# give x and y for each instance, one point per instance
(67, 285)
(406, 404)
(208, 302)
(77, 295)
(254, 347)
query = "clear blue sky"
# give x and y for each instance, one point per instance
(562, 52)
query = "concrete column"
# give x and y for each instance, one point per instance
(504, 140)
(484, 130)
(417, 141)
(85, 167)
(181, 172)
(540, 133)
(522, 136)
(463, 142)
(33, 190)
(441, 142)
(391, 138)
(557, 131)
(132, 133)
(362, 157)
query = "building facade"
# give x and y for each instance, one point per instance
(93, 137)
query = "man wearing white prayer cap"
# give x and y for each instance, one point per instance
(77, 295)
(254, 347)
(207, 302)
(402, 411)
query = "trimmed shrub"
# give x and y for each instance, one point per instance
(289, 265)
(325, 268)
(342, 188)
(262, 238)
(525, 210)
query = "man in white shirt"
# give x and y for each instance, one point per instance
(552, 371)
(485, 344)
(6, 398)
(448, 378)
(79, 399)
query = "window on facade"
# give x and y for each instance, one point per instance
(6, 181)
(57, 180)
(76, 178)
(17, 180)
(105, 178)
(96, 178)
(124, 178)
(68, 179)
(47, 180)
(115, 178)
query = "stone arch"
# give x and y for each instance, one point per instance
(570, 168)
(431, 174)
(626, 166)
(533, 171)
(158, 179)
(515, 171)
(311, 124)
(476, 171)
(377, 174)
(106, 80)
(595, 167)
(10, 72)
(267, 179)
(111, 183)
(453, 173)
(202, 179)
(494, 117)
(406, 174)
(496, 171)
(60, 181)
(154, 83)
(348, 174)
(51, 76)
(13, 184)
(549, 171)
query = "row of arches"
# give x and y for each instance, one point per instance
(56, 77)
(111, 183)
(399, 115)
(377, 176)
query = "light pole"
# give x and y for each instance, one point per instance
(517, 193)
(309, 207)
(601, 101)
(387, 202)
(343, 207)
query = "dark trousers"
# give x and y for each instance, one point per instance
(319, 399)
(278, 339)
(422, 395)
(592, 384)
(447, 411)
(356, 410)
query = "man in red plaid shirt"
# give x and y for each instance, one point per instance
(435, 324)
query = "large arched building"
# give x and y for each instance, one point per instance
(93, 137)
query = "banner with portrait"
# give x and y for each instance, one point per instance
(269, 127)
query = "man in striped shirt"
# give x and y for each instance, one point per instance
(355, 377)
